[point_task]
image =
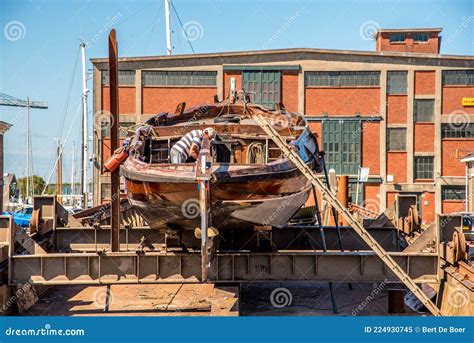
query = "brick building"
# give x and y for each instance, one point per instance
(402, 110)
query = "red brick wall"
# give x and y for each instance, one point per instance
(452, 151)
(397, 109)
(424, 137)
(289, 91)
(449, 206)
(238, 82)
(126, 99)
(371, 146)
(165, 99)
(383, 44)
(424, 82)
(342, 101)
(427, 207)
(397, 166)
(372, 197)
(452, 97)
(391, 198)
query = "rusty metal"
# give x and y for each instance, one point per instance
(333, 201)
(114, 139)
(157, 267)
(343, 195)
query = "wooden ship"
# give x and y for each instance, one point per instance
(251, 182)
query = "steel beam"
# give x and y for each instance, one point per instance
(117, 268)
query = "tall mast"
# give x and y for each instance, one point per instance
(28, 148)
(84, 128)
(59, 175)
(73, 167)
(169, 49)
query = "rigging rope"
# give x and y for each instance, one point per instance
(182, 27)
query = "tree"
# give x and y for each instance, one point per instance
(36, 185)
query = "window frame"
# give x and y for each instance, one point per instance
(179, 78)
(461, 196)
(125, 78)
(416, 39)
(342, 78)
(461, 77)
(424, 171)
(397, 82)
(451, 131)
(417, 108)
(397, 38)
(389, 137)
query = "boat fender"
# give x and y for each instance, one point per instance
(119, 156)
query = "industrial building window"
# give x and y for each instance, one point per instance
(453, 193)
(342, 78)
(397, 38)
(424, 167)
(341, 143)
(461, 130)
(125, 77)
(420, 37)
(396, 139)
(423, 110)
(262, 86)
(179, 78)
(397, 82)
(458, 77)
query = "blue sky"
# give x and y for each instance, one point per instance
(39, 45)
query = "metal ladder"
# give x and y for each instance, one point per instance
(327, 195)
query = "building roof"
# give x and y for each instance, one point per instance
(302, 51)
(468, 158)
(436, 29)
(4, 127)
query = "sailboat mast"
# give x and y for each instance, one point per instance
(28, 148)
(169, 49)
(73, 167)
(84, 128)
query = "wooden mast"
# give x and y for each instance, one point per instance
(114, 141)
